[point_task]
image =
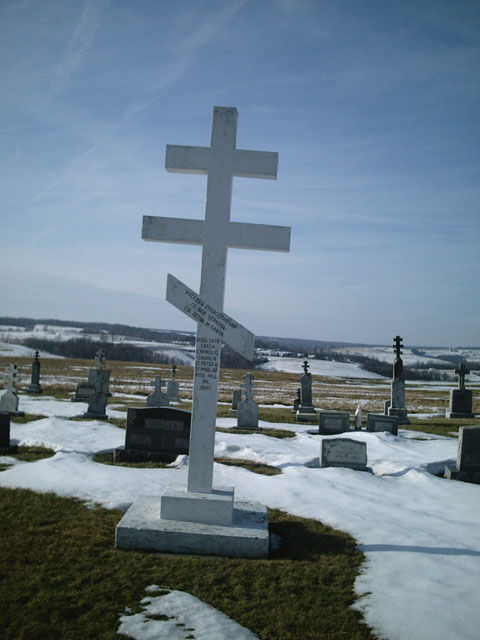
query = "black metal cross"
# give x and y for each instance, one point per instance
(398, 346)
(462, 372)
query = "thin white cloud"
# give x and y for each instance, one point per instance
(184, 54)
(79, 44)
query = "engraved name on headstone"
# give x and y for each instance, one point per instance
(343, 452)
(155, 433)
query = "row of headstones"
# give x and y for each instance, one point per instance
(95, 391)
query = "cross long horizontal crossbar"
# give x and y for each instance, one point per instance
(241, 235)
(245, 164)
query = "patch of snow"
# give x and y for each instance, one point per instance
(187, 617)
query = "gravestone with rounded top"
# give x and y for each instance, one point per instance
(202, 518)
(296, 402)
(358, 418)
(461, 399)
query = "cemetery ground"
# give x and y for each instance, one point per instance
(389, 554)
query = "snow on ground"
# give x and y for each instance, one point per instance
(186, 615)
(19, 351)
(319, 368)
(419, 532)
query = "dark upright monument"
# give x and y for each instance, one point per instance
(34, 386)
(460, 399)
(397, 407)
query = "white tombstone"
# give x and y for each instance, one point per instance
(187, 513)
(9, 399)
(358, 418)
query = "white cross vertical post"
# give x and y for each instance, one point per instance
(221, 162)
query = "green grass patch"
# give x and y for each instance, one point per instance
(274, 433)
(438, 426)
(28, 454)
(107, 458)
(29, 417)
(31, 454)
(61, 576)
(256, 467)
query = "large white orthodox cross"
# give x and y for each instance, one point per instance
(221, 162)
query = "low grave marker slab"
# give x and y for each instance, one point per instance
(333, 422)
(377, 422)
(343, 452)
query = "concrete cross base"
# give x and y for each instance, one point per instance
(208, 508)
(456, 414)
(97, 416)
(142, 529)
(401, 414)
(34, 388)
(451, 473)
(233, 413)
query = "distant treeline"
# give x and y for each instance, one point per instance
(421, 370)
(154, 335)
(86, 349)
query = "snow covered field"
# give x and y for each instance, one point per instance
(419, 532)
(320, 368)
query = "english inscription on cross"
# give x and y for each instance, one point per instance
(221, 162)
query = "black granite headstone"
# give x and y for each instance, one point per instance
(5, 446)
(155, 433)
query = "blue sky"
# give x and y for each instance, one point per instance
(372, 106)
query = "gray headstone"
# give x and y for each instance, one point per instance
(35, 386)
(158, 398)
(236, 398)
(378, 422)
(467, 468)
(296, 402)
(461, 403)
(397, 406)
(5, 446)
(97, 402)
(386, 405)
(156, 433)
(332, 422)
(247, 410)
(85, 389)
(247, 414)
(9, 401)
(468, 457)
(343, 452)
